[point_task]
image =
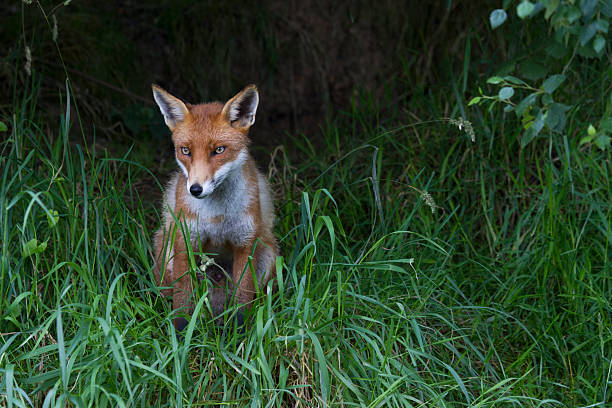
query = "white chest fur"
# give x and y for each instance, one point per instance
(220, 217)
(223, 216)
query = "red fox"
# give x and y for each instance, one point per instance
(221, 198)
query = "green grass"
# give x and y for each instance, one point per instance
(501, 297)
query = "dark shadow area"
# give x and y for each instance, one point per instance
(309, 58)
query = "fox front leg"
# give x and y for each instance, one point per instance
(182, 288)
(242, 278)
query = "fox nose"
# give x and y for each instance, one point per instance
(195, 190)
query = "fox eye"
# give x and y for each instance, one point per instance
(185, 151)
(219, 149)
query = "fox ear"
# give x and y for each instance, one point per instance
(174, 110)
(240, 110)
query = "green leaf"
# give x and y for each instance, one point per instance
(550, 8)
(505, 93)
(52, 218)
(585, 140)
(606, 8)
(537, 7)
(587, 33)
(524, 9)
(33, 247)
(591, 130)
(603, 25)
(530, 100)
(3, 127)
(588, 8)
(514, 80)
(494, 80)
(527, 119)
(599, 43)
(602, 141)
(474, 100)
(528, 136)
(534, 128)
(538, 123)
(497, 18)
(555, 119)
(572, 14)
(553, 83)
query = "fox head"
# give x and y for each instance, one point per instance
(210, 140)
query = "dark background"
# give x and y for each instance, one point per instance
(311, 59)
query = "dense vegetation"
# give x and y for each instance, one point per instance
(434, 255)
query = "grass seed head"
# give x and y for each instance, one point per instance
(425, 196)
(28, 64)
(465, 126)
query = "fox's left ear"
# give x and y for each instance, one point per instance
(240, 110)
(174, 110)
